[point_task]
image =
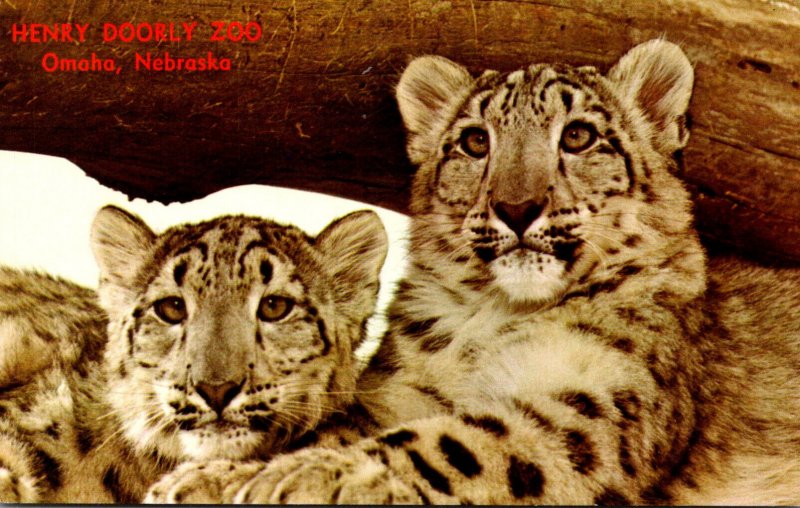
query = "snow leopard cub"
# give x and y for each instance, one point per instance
(227, 338)
(559, 338)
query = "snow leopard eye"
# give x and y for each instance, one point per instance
(171, 310)
(475, 142)
(577, 137)
(274, 308)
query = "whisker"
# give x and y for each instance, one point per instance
(292, 406)
(114, 434)
(115, 412)
(600, 254)
(605, 237)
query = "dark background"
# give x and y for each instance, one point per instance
(310, 105)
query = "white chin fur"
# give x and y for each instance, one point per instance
(529, 277)
(211, 445)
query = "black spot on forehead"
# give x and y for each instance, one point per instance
(485, 104)
(179, 273)
(213, 244)
(265, 267)
(566, 98)
(266, 271)
(225, 231)
(488, 81)
(533, 87)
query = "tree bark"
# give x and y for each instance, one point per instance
(310, 104)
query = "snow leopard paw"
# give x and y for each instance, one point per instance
(14, 489)
(211, 482)
(326, 476)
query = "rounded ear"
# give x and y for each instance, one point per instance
(355, 247)
(658, 78)
(120, 243)
(427, 91)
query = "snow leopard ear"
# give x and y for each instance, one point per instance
(355, 248)
(428, 90)
(658, 78)
(120, 243)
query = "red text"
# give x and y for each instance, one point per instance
(235, 31)
(168, 63)
(146, 32)
(39, 32)
(52, 63)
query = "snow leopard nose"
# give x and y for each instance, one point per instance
(218, 396)
(518, 216)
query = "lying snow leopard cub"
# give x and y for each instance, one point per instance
(228, 338)
(558, 338)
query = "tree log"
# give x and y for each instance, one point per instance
(309, 105)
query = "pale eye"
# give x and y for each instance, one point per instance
(274, 308)
(475, 142)
(171, 310)
(577, 137)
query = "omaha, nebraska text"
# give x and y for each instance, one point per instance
(165, 62)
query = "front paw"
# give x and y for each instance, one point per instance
(14, 489)
(325, 476)
(202, 482)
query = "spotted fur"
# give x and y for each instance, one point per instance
(225, 339)
(559, 337)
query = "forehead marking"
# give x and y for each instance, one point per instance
(250, 246)
(485, 96)
(201, 246)
(516, 77)
(566, 98)
(326, 343)
(485, 104)
(558, 80)
(266, 271)
(617, 145)
(597, 108)
(179, 272)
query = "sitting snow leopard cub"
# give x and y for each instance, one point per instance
(558, 338)
(225, 339)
